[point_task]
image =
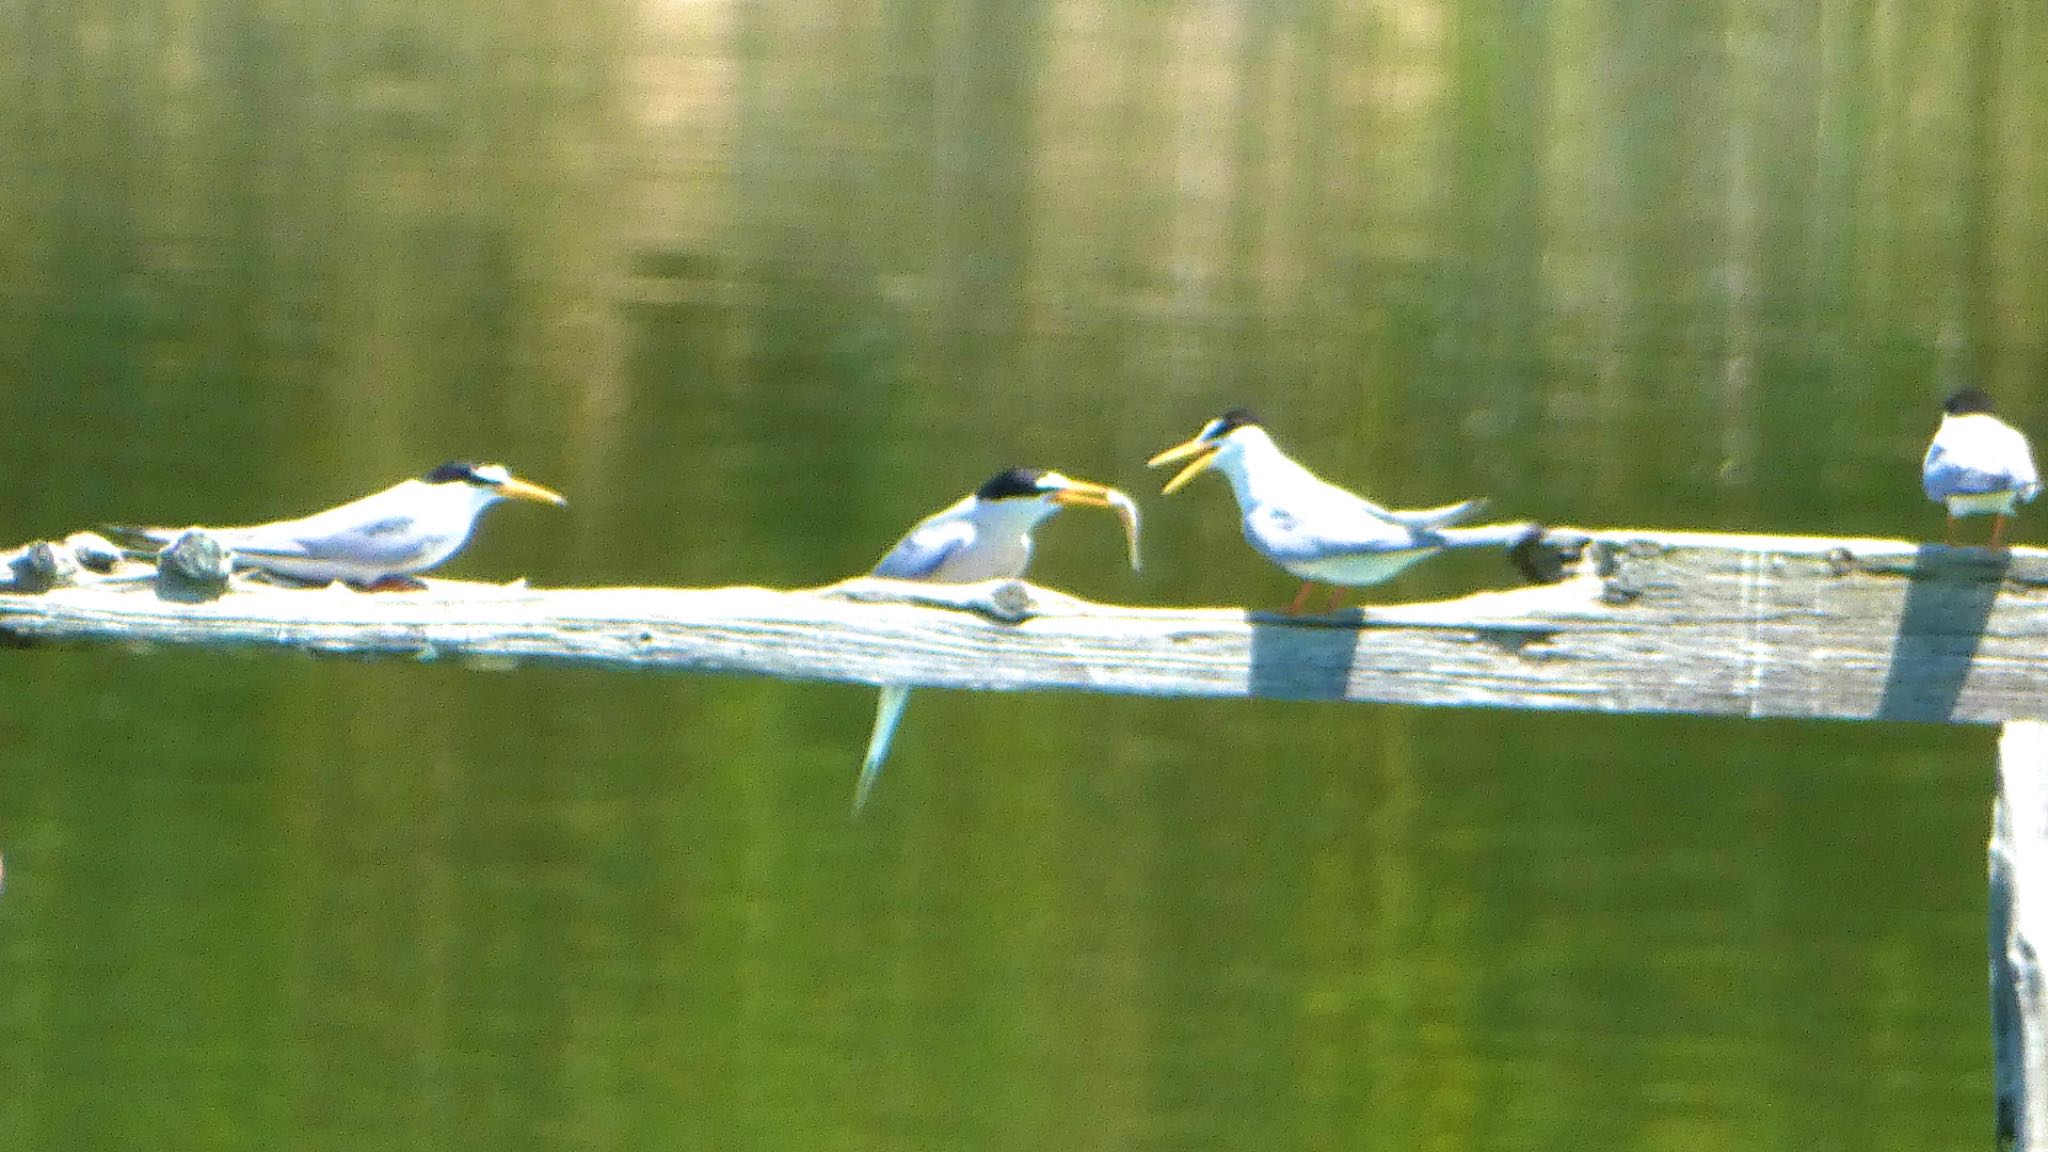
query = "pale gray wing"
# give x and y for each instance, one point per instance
(284, 539)
(1977, 458)
(1287, 538)
(394, 540)
(927, 547)
(256, 539)
(1943, 476)
(2026, 479)
(373, 523)
(1338, 510)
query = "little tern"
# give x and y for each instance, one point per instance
(986, 535)
(1315, 530)
(384, 538)
(1978, 465)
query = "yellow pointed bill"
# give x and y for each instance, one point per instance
(516, 489)
(1204, 452)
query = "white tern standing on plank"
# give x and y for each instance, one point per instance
(1978, 465)
(1315, 530)
(985, 536)
(383, 539)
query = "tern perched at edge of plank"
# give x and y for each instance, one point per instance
(1315, 530)
(383, 539)
(986, 535)
(1978, 465)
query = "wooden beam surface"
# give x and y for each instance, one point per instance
(1638, 621)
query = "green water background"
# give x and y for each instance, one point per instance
(758, 284)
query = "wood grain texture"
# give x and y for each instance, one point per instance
(2018, 933)
(1639, 622)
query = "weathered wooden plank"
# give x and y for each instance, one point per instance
(2018, 932)
(1639, 621)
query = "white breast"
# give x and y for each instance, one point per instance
(1001, 558)
(1983, 503)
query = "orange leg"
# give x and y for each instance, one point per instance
(1336, 597)
(1300, 598)
(1998, 530)
(1952, 530)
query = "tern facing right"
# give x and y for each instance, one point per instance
(1315, 530)
(986, 535)
(1978, 465)
(384, 538)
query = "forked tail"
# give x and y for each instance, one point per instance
(1431, 519)
(137, 539)
(1487, 535)
(889, 708)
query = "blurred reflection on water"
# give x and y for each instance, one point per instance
(757, 285)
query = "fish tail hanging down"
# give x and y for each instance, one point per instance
(889, 708)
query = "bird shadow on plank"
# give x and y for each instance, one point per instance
(1303, 657)
(1311, 657)
(1948, 603)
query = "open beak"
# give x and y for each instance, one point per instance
(1087, 495)
(1204, 452)
(517, 489)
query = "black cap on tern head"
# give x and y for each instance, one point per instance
(451, 472)
(1230, 421)
(1966, 402)
(466, 472)
(1011, 482)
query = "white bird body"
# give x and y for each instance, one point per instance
(407, 528)
(1315, 530)
(1978, 465)
(985, 535)
(971, 540)
(1318, 531)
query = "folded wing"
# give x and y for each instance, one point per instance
(924, 550)
(1969, 460)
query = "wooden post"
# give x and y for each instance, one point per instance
(2018, 932)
